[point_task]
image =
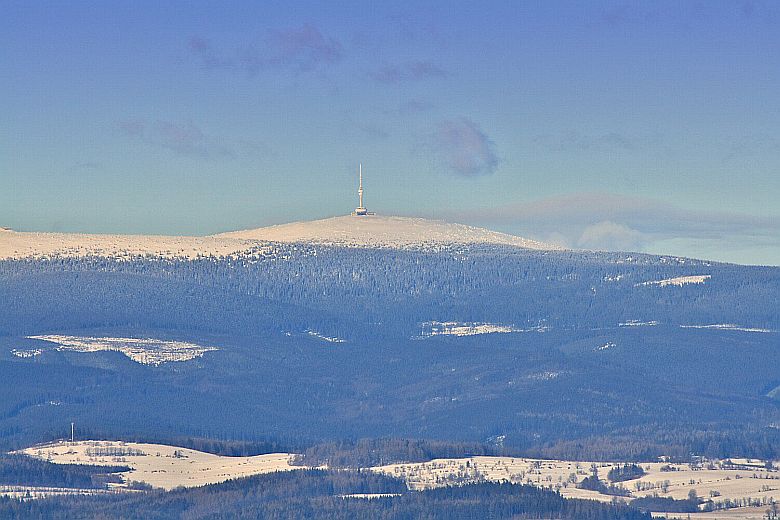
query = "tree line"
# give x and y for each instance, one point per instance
(316, 494)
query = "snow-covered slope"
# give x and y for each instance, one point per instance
(383, 231)
(367, 231)
(679, 281)
(15, 244)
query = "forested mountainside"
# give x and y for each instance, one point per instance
(292, 284)
(555, 353)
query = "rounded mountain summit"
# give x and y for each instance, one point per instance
(382, 231)
(364, 231)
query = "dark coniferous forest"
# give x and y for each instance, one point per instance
(603, 365)
(334, 353)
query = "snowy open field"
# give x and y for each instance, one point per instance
(719, 482)
(146, 351)
(167, 467)
(159, 465)
(738, 513)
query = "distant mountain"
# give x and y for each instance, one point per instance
(383, 231)
(388, 327)
(347, 231)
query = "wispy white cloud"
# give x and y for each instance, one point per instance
(611, 236)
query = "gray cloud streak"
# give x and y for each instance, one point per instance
(608, 221)
(463, 149)
(301, 48)
(182, 138)
(414, 106)
(409, 71)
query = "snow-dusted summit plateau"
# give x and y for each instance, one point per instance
(349, 231)
(383, 231)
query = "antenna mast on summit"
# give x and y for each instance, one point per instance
(360, 210)
(360, 189)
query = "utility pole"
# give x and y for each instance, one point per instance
(72, 431)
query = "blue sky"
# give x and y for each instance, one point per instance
(651, 126)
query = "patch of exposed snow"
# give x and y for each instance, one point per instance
(454, 328)
(727, 326)
(497, 440)
(638, 323)
(27, 353)
(329, 339)
(370, 496)
(613, 277)
(146, 351)
(605, 346)
(547, 375)
(24, 493)
(679, 281)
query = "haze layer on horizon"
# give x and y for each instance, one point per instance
(603, 125)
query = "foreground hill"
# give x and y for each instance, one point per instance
(169, 467)
(318, 494)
